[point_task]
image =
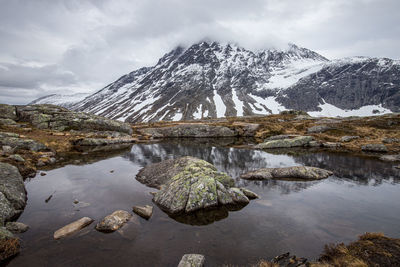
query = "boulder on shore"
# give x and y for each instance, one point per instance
(114, 221)
(298, 141)
(12, 192)
(296, 172)
(189, 130)
(72, 227)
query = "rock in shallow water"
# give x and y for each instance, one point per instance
(17, 227)
(144, 212)
(72, 227)
(114, 221)
(299, 141)
(192, 260)
(296, 172)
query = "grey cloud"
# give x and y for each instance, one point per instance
(82, 45)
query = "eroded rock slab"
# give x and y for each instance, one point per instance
(299, 141)
(114, 221)
(296, 172)
(143, 211)
(72, 227)
(192, 260)
(189, 130)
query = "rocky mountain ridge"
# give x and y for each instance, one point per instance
(213, 80)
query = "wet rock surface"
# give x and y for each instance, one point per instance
(380, 148)
(114, 221)
(143, 211)
(192, 260)
(9, 244)
(72, 227)
(17, 227)
(190, 184)
(189, 130)
(298, 141)
(12, 192)
(296, 172)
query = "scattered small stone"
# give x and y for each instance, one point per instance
(331, 145)
(249, 194)
(72, 227)
(111, 171)
(76, 201)
(348, 138)
(319, 129)
(192, 260)
(114, 221)
(374, 148)
(17, 227)
(17, 157)
(390, 157)
(8, 149)
(390, 140)
(287, 260)
(43, 174)
(143, 211)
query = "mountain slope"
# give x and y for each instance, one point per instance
(60, 100)
(217, 80)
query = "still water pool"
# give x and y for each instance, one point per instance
(300, 217)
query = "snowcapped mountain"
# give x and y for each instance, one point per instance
(216, 80)
(60, 100)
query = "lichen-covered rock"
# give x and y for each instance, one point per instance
(17, 157)
(102, 141)
(157, 174)
(114, 221)
(72, 227)
(374, 148)
(192, 184)
(61, 119)
(192, 260)
(349, 138)
(299, 141)
(319, 129)
(296, 173)
(249, 194)
(19, 143)
(8, 112)
(331, 145)
(189, 130)
(17, 227)
(9, 244)
(144, 212)
(8, 122)
(12, 192)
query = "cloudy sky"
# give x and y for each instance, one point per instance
(69, 46)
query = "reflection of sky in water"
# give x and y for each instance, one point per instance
(299, 217)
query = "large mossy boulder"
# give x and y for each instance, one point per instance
(288, 173)
(189, 184)
(12, 192)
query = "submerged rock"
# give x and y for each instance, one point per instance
(9, 244)
(144, 212)
(189, 130)
(17, 227)
(114, 221)
(296, 172)
(12, 192)
(189, 184)
(192, 260)
(72, 227)
(299, 141)
(374, 148)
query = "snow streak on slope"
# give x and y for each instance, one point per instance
(219, 105)
(238, 104)
(329, 110)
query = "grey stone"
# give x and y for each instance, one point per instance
(390, 140)
(331, 145)
(390, 157)
(17, 157)
(295, 173)
(9, 244)
(143, 211)
(348, 138)
(12, 192)
(25, 144)
(281, 136)
(17, 227)
(114, 221)
(374, 148)
(189, 130)
(248, 193)
(72, 227)
(7, 149)
(299, 141)
(314, 144)
(8, 112)
(102, 141)
(319, 129)
(192, 260)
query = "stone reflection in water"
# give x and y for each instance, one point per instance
(202, 217)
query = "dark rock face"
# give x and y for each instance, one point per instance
(297, 173)
(189, 130)
(12, 193)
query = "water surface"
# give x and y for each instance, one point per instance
(300, 217)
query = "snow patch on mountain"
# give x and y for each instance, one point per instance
(60, 100)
